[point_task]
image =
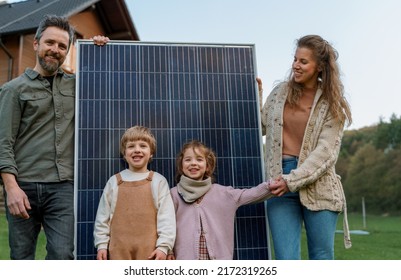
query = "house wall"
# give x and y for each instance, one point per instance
(26, 57)
(87, 24)
(22, 57)
(4, 66)
(11, 44)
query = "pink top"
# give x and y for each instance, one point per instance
(217, 211)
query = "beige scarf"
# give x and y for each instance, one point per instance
(190, 190)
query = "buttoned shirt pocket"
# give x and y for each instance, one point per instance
(34, 103)
(68, 101)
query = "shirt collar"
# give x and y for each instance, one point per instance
(32, 74)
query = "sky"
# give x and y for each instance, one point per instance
(366, 34)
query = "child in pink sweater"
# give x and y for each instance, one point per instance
(205, 211)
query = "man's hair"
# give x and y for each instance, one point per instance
(55, 21)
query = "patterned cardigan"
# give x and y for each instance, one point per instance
(315, 177)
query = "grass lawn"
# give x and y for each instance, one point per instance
(382, 243)
(4, 248)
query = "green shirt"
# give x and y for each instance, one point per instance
(37, 127)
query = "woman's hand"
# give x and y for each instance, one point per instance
(260, 91)
(278, 186)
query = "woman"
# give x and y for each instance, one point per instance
(303, 120)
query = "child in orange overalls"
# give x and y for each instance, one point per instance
(135, 219)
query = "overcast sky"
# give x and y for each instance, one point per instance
(366, 33)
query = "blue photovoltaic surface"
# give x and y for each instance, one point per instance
(181, 92)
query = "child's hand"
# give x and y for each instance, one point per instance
(157, 255)
(278, 186)
(101, 254)
(171, 257)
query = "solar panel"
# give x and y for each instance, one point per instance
(181, 92)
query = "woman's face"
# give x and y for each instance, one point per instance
(304, 68)
(194, 164)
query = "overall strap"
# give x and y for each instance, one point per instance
(150, 176)
(119, 179)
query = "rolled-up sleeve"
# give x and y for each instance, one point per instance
(10, 117)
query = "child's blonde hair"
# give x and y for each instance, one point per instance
(136, 133)
(204, 151)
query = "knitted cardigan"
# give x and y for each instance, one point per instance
(315, 177)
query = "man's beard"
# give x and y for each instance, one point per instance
(49, 66)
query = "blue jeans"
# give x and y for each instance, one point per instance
(53, 208)
(286, 215)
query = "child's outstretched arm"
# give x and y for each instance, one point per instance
(252, 195)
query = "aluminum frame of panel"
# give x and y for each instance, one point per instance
(181, 91)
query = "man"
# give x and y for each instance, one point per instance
(37, 146)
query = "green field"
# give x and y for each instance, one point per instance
(4, 249)
(382, 243)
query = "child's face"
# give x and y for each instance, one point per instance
(137, 154)
(194, 164)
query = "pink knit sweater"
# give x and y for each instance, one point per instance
(217, 211)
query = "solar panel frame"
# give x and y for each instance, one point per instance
(204, 91)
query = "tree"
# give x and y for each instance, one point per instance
(388, 135)
(370, 166)
(363, 177)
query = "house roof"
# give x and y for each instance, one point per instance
(24, 17)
